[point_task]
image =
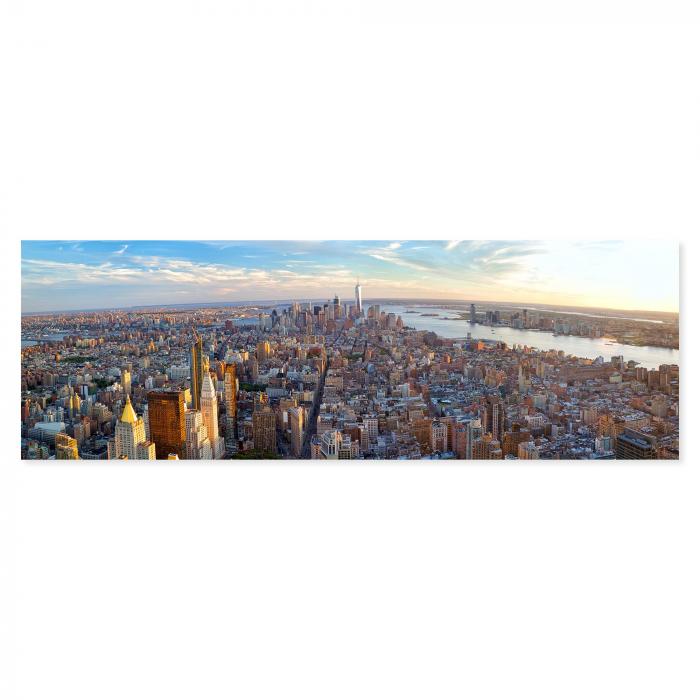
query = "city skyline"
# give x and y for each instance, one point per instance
(348, 381)
(622, 275)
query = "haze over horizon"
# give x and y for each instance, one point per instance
(91, 275)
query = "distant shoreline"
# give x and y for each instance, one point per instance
(442, 303)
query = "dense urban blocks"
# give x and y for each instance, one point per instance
(335, 380)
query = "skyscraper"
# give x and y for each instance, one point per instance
(263, 350)
(126, 381)
(493, 417)
(336, 308)
(197, 439)
(472, 314)
(473, 434)
(230, 401)
(166, 419)
(210, 416)
(196, 371)
(130, 436)
(358, 297)
(74, 404)
(296, 423)
(633, 444)
(264, 430)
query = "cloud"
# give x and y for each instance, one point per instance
(101, 276)
(390, 254)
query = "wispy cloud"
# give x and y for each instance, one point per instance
(63, 274)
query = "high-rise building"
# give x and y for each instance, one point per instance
(337, 311)
(296, 424)
(265, 430)
(66, 447)
(472, 314)
(438, 436)
(126, 381)
(74, 404)
(513, 438)
(196, 371)
(230, 400)
(262, 350)
(166, 419)
(130, 436)
(474, 432)
(633, 444)
(210, 416)
(487, 448)
(196, 436)
(493, 417)
(358, 298)
(528, 450)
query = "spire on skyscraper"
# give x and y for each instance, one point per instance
(358, 296)
(128, 414)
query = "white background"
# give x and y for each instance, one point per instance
(370, 120)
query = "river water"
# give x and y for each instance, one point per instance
(454, 327)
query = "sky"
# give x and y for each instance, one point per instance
(66, 275)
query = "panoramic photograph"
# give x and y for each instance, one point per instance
(350, 349)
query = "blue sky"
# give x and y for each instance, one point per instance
(58, 275)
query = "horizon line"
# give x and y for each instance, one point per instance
(134, 307)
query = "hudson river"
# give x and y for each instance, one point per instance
(448, 325)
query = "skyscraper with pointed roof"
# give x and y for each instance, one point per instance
(210, 416)
(130, 436)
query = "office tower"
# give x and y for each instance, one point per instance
(487, 448)
(474, 432)
(196, 371)
(358, 298)
(493, 417)
(438, 437)
(296, 424)
(265, 430)
(633, 444)
(126, 381)
(524, 381)
(337, 311)
(66, 447)
(513, 438)
(197, 442)
(130, 436)
(166, 419)
(230, 400)
(74, 404)
(210, 416)
(262, 350)
(528, 450)
(472, 314)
